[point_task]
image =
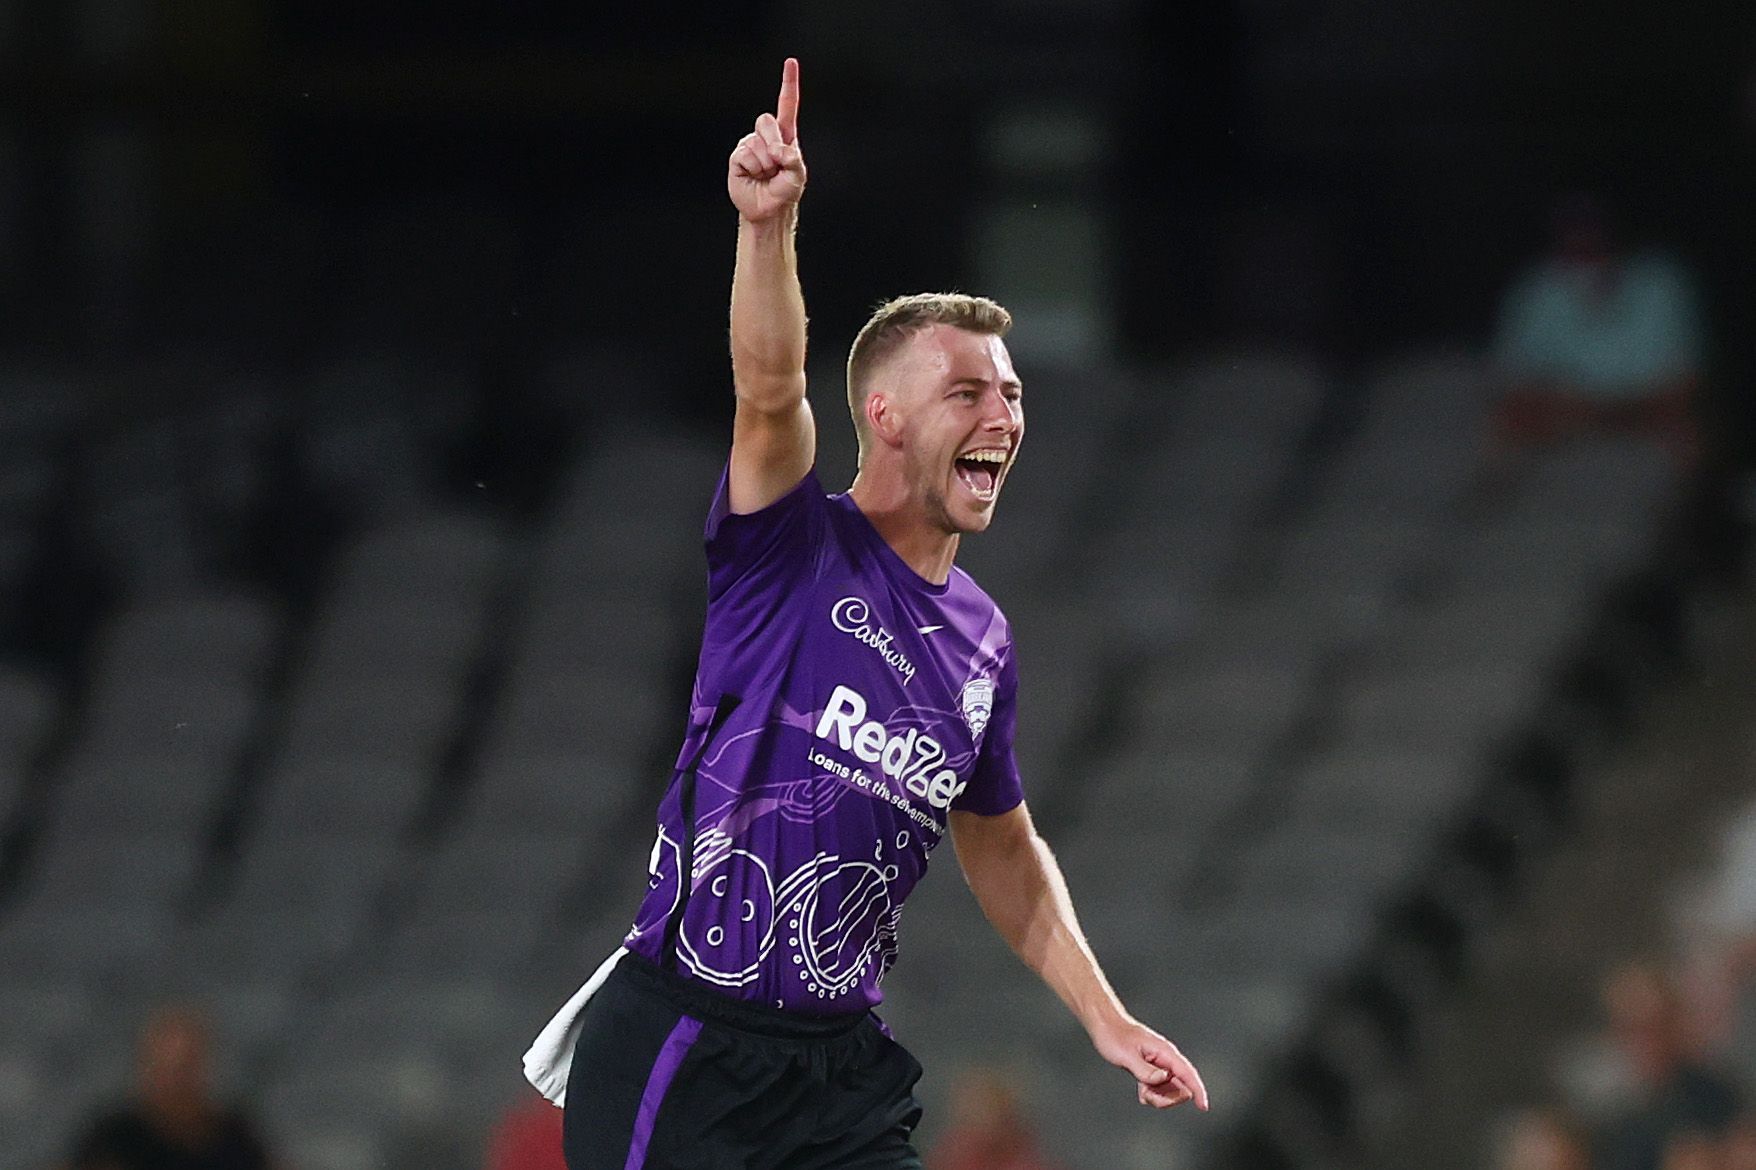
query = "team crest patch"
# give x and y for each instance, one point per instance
(978, 704)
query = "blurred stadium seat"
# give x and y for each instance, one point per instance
(1251, 713)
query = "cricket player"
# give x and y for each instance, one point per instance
(854, 704)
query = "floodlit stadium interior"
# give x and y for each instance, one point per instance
(1386, 688)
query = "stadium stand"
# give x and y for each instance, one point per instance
(381, 796)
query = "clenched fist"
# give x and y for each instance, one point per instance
(766, 173)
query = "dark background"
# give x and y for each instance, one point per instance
(250, 248)
(182, 168)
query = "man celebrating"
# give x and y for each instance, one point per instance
(854, 700)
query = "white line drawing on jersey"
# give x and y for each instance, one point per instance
(741, 884)
(928, 629)
(840, 917)
(801, 801)
(653, 912)
(837, 922)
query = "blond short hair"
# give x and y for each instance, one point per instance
(894, 322)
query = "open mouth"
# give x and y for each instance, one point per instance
(980, 472)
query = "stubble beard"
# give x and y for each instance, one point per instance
(938, 511)
(934, 506)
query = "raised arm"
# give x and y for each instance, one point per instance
(1019, 885)
(774, 439)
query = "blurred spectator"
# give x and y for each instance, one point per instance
(1720, 934)
(1694, 1151)
(174, 1123)
(1544, 1139)
(528, 1137)
(1599, 339)
(1678, 1094)
(988, 1129)
(1739, 1148)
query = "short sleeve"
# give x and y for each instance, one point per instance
(770, 545)
(996, 787)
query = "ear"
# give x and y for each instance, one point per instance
(884, 419)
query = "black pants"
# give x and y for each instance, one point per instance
(669, 1075)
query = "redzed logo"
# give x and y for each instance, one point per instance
(910, 757)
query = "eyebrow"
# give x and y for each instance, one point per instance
(1012, 382)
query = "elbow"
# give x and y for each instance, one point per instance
(770, 394)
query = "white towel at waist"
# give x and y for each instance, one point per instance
(550, 1056)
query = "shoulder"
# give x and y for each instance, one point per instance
(109, 1133)
(123, 1119)
(1660, 271)
(982, 618)
(970, 592)
(803, 496)
(779, 538)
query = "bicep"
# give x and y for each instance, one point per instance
(771, 452)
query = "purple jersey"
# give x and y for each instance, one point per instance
(870, 703)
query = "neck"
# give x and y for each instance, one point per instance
(923, 546)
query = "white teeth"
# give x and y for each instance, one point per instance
(992, 458)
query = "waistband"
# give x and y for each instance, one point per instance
(693, 999)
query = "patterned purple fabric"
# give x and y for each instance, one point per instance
(872, 703)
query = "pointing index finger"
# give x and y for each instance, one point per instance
(1197, 1090)
(786, 110)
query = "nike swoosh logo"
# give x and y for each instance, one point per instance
(928, 629)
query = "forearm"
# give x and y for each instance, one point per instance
(1024, 895)
(768, 316)
(1019, 885)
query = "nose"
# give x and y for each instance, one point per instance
(999, 415)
